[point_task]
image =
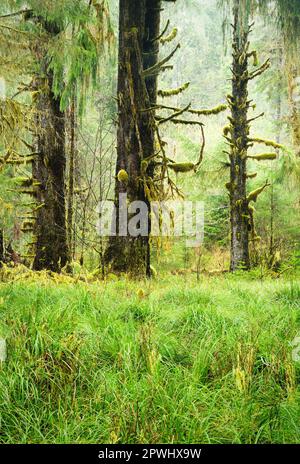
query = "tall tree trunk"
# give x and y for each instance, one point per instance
(278, 139)
(51, 250)
(239, 138)
(71, 175)
(294, 103)
(139, 25)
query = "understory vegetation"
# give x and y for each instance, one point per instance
(165, 361)
(126, 315)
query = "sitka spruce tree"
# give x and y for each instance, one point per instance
(49, 228)
(138, 50)
(60, 62)
(143, 168)
(238, 138)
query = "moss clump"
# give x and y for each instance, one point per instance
(140, 293)
(182, 167)
(122, 176)
(254, 195)
(251, 175)
(170, 37)
(264, 157)
(226, 130)
(144, 167)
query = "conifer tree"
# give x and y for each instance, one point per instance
(59, 63)
(143, 167)
(238, 137)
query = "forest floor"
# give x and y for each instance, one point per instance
(170, 360)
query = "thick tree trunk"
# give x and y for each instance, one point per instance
(139, 25)
(51, 250)
(238, 157)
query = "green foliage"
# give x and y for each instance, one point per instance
(80, 360)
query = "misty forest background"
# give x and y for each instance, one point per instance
(145, 340)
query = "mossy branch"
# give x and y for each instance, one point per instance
(162, 33)
(170, 37)
(182, 167)
(263, 157)
(216, 110)
(268, 143)
(172, 92)
(187, 122)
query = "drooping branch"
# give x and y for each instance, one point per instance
(263, 157)
(162, 33)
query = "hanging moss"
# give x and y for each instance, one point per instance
(123, 176)
(171, 92)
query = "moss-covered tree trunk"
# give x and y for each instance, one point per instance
(239, 146)
(71, 175)
(139, 25)
(51, 249)
(294, 103)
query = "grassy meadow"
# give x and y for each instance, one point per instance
(170, 360)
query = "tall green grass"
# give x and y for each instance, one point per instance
(179, 362)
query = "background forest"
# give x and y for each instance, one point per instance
(204, 62)
(188, 99)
